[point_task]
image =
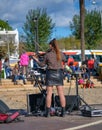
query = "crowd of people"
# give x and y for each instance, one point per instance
(19, 71)
(87, 69)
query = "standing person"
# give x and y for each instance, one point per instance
(54, 75)
(7, 68)
(0, 69)
(70, 60)
(91, 66)
(24, 62)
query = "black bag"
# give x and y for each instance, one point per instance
(8, 115)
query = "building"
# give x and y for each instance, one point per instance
(10, 36)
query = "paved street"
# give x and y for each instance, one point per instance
(16, 98)
(73, 121)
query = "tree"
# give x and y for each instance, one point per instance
(5, 25)
(69, 43)
(45, 28)
(93, 31)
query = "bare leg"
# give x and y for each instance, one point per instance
(61, 95)
(62, 99)
(48, 101)
(49, 96)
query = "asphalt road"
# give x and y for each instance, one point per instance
(74, 121)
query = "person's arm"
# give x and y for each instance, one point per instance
(64, 59)
(41, 64)
(35, 58)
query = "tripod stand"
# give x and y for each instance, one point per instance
(78, 99)
(39, 83)
(36, 102)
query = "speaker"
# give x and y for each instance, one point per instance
(71, 102)
(3, 107)
(37, 102)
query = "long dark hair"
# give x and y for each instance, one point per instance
(54, 44)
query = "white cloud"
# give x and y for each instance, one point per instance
(16, 10)
(61, 11)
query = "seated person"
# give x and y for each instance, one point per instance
(67, 72)
(81, 81)
(17, 75)
(85, 72)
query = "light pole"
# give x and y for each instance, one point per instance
(8, 47)
(36, 34)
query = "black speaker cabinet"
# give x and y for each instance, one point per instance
(71, 101)
(36, 102)
(3, 107)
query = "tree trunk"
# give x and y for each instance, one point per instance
(82, 40)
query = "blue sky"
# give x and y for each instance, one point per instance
(61, 12)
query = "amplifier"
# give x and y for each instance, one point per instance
(37, 102)
(91, 113)
(71, 102)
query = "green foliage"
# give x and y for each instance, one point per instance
(69, 43)
(45, 27)
(4, 25)
(93, 31)
(75, 26)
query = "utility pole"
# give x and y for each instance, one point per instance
(82, 38)
(36, 32)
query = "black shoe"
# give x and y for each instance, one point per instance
(63, 112)
(35, 85)
(47, 113)
(24, 82)
(15, 83)
(68, 81)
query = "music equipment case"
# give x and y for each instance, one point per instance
(91, 112)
